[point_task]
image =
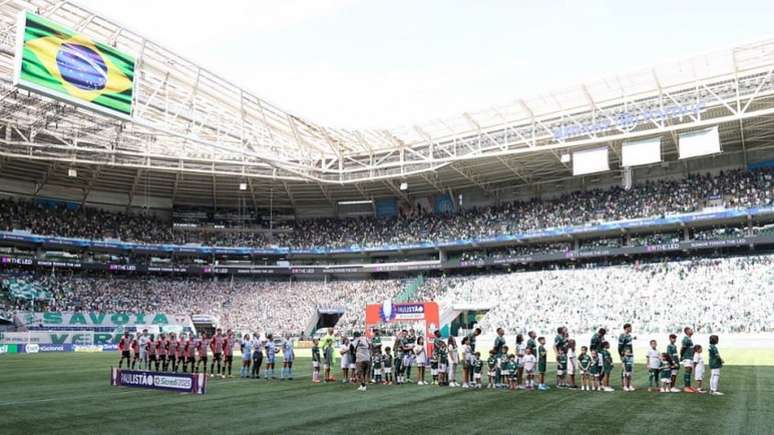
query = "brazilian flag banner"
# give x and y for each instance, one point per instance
(61, 63)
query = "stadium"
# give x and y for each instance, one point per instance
(179, 254)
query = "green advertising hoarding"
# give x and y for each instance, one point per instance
(8, 348)
(100, 319)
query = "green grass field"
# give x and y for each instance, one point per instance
(70, 393)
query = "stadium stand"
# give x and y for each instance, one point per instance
(735, 188)
(732, 294)
(714, 295)
(282, 306)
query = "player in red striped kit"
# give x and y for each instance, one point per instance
(203, 346)
(161, 352)
(123, 347)
(216, 344)
(228, 352)
(151, 351)
(171, 352)
(179, 352)
(136, 351)
(189, 348)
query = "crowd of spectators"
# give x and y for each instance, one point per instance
(601, 243)
(225, 237)
(655, 239)
(286, 307)
(737, 188)
(733, 294)
(84, 222)
(719, 233)
(515, 251)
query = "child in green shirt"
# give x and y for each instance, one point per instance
(715, 363)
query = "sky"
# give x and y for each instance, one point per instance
(388, 64)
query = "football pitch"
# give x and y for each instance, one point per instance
(70, 393)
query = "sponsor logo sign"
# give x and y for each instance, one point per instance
(55, 348)
(32, 348)
(180, 382)
(391, 311)
(628, 120)
(87, 348)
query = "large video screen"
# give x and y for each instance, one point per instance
(63, 64)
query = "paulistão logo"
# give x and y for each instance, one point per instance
(386, 311)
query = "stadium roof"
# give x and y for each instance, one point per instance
(195, 136)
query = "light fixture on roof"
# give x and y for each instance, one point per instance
(404, 186)
(242, 186)
(72, 172)
(565, 158)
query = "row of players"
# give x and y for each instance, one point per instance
(187, 352)
(525, 368)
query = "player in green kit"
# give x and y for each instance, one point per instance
(686, 356)
(499, 347)
(607, 366)
(442, 354)
(560, 347)
(387, 359)
(532, 342)
(597, 339)
(584, 361)
(478, 366)
(377, 340)
(435, 362)
(326, 344)
(628, 369)
(541, 366)
(624, 344)
(376, 345)
(510, 368)
(560, 341)
(715, 363)
(561, 369)
(399, 357)
(595, 370)
(671, 350)
(408, 343)
(491, 363)
(376, 363)
(666, 372)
